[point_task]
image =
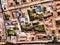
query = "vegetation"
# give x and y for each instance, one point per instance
(40, 28)
(40, 16)
(32, 11)
(15, 1)
(26, 26)
(32, 18)
(32, 29)
(15, 28)
(35, 27)
(11, 32)
(7, 17)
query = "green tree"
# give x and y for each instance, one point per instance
(7, 17)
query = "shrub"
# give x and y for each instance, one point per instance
(11, 32)
(15, 1)
(7, 17)
(32, 18)
(40, 28)
(40, 16)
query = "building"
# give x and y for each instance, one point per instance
(32, 21)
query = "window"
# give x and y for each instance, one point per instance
(32, 0)
(58, 22)
(58, 13)
(53, 32)
(24, 0)
(58, 4)
(17, 2)
(0, 38)
(58, 31)
(11, 4)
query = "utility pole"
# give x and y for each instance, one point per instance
(3, 16)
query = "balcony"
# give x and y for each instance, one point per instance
(58, 38)
(35, 38)
(44, 38)
(12, 39)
